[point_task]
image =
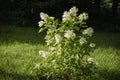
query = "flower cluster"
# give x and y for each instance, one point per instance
(44, 18)
(69, 34)
(89, 31)
(83, 40)
(68, 44)
(83, 16)
(68, 14)
(58, 38)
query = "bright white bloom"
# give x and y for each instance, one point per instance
(83, 16)
(43, 53)
(92, 45)
(83, 41)
(44, 16)
(69, 34)
(58, 38)
(41, 23)
(89, 31)
(90, 60)
(66, 16)
(73, 11)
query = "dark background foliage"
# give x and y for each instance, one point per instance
(103, 13)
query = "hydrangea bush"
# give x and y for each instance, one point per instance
(69, 47)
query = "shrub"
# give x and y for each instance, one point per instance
(69, 47)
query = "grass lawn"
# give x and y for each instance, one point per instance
(19, 48)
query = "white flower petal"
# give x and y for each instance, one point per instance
(90, 60)
(73, 11)
(66, 16)
(41, 23)
(69, 34)
(83, 16)
(83, 41)
(89, 31)
(92, 45)
(58, 38)
(44, 16)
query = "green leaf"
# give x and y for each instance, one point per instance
(41, 29)
(77, 28)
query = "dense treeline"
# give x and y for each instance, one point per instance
(26, 12)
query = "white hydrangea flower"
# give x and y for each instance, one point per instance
(89, 31)
(66, 16)
(44, 16)
(73, 11)
(43, 53)
(69, 34)
(90, 60)
(92, 45)
(80, 17)
(83, 41)
(41, 23)
(83, 16)
(58, 38)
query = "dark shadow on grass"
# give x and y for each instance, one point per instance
(102, 75)
(13, 34)
(4, 75)
(107, 39)
(14, 76)
(108, 75)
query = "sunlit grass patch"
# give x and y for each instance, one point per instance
(107, 54)
(108, 63)
(19, 57)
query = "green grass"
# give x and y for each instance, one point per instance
(107, 54)
(19, 48)
(19, 52)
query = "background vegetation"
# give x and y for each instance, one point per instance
(103, 13)
(20, 40)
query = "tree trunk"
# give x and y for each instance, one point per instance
(115, 8)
